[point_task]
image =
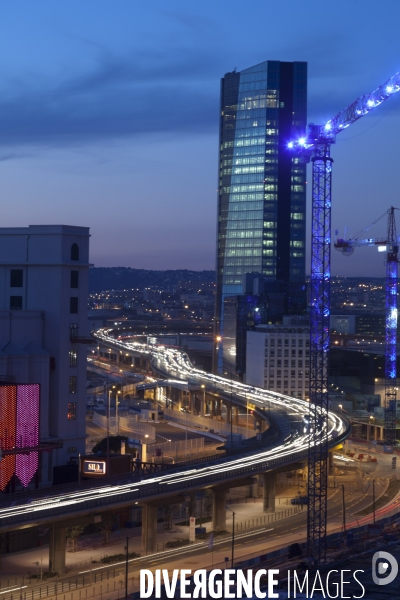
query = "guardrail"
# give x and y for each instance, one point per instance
(150, 491)
(138, 428)
(208, 423)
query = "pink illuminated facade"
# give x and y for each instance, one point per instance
(19, 429)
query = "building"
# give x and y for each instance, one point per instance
(262, 191)
(278, 359)
(43, 329)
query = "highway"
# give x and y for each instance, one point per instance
(176, 364)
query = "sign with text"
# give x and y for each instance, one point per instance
(94, 467)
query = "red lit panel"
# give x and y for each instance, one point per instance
(8, 402)
(27, 435)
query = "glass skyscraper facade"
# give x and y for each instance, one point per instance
(262, 192)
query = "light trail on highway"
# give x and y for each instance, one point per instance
(176, 364)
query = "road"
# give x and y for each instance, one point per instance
(284, 410)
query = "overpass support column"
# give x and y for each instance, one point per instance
(269, 491)
(203, 405)
(255, 488)
(228, 412)
(180, 397)
(330, 463)
(212, 407)
(236, 417)
(218, 407)
(149, 528)
(218, 508)
(57, 549)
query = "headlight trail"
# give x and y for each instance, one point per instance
(176, 366)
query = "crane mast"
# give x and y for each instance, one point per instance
(391, 330)
(315, 146)
(391, 284)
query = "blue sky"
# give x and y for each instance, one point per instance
(109, 115)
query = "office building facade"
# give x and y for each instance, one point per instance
(262, 186)
(278, 359)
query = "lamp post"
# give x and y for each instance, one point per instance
(126, 568)
(108, 434)
(116, 412)
(230, 374)
(373, 500)
(233, 533)
(344, 514)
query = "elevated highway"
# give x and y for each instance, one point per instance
(291, 447)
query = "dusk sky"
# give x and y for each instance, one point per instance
(109, 116)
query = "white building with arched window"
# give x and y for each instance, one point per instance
(43, 321)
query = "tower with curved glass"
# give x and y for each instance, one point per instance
(262, 191)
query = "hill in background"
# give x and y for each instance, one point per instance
(120, 278)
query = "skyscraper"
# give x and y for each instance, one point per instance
(262, 193)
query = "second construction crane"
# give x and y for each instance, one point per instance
(316, 147)
(390, 245)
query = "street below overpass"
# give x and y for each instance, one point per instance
(252, 542)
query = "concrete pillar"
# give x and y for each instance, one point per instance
(218, 407)
(236, 415)
(218, 509)
(180, 398)
(228, 412)
(203, 405)
(149, 528)
(269, 491)
(330, 463)
(212, 408)
(368, 432)
(255, 488)
(57, 549)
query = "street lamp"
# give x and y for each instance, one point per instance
(341, 408)
(202, 410)
(108, 434)
(126, 568)
(233, 533)
(116, 412)
(344, 514)
(373, 499)
(230, 374)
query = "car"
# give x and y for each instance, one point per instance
(299, 500)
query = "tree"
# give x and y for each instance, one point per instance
(107, 523)
(114, 443)
(73, 534)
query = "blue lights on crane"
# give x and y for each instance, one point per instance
(316, 147)
(391, 248)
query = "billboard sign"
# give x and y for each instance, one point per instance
(94, 467)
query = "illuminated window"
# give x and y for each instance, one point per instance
(73, 358)
(72, 384)
(71, 411)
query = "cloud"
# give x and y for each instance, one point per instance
(157, 92)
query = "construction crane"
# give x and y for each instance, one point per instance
(316, 147)
(389, 245)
